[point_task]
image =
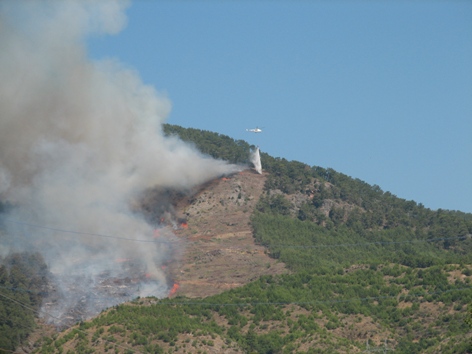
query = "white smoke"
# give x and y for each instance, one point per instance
(255, 158)
(80, 139)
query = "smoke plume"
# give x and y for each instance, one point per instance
(255, 158)
(79, 141)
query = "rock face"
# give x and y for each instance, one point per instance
(219, 250)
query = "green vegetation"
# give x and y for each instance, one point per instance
(22, 281)
(308, 246)
(281, 314)
(365, 266)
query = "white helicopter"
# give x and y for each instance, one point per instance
(255, 130)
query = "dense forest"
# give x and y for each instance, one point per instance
(363, 264)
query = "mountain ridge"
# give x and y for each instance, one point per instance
(298, 259)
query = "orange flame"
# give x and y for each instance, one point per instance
(184, 225)
(174, 289)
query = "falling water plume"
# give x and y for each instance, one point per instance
(255, 158)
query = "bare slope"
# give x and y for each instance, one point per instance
(220, 252)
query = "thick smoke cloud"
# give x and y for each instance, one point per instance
(79, 140)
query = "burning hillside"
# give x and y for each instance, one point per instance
(79, 141)
(98, 282)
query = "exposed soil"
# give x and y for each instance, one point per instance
(220, 252)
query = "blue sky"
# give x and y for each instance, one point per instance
(380, 91)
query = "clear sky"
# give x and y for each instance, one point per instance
(377, 90)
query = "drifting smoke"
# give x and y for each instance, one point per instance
(255, 158)
(79, 140)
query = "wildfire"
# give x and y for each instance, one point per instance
(184, 225)
(174, 289)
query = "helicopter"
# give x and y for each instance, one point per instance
(255, 130)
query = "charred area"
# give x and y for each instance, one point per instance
(158, 206)
(67, 301)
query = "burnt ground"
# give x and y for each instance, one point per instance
(220, 252)
(217, 251)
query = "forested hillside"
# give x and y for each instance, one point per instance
(369, 272)
(23, 281)
(342, 211)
